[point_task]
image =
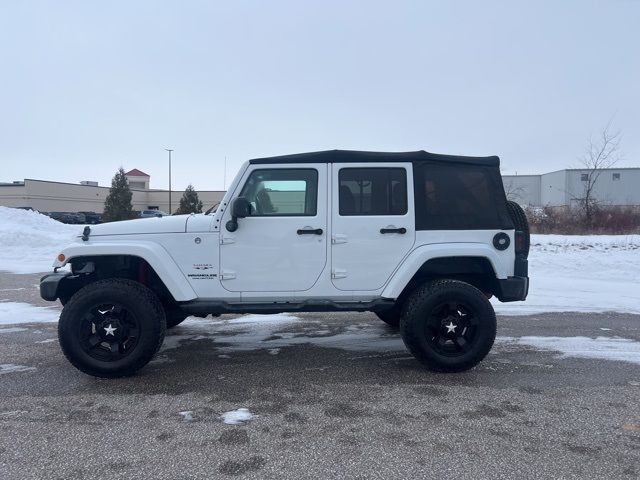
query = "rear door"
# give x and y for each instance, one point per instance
(373, 222)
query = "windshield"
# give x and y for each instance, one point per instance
(213, 209)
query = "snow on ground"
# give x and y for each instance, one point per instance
(275, 332)
(237, 417)
(187, 416)
(12, 330)
(16, 312)
(30, 241)
(252, 332)
(581, 273)
(604, 348)
(12, 368)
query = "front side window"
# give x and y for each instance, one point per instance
(282, 192)
(372, 191)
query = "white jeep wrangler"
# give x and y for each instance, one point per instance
(420, 239)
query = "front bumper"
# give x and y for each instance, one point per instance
(50, 285)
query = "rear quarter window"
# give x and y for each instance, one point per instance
(459, 197)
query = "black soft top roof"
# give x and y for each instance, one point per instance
(352, 156)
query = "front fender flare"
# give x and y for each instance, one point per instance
(154, 254)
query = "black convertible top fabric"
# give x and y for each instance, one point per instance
(352, 156)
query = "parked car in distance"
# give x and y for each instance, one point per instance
(64, 217)
(75, 218)
(152, 213)
(92, 218)
(78, 218)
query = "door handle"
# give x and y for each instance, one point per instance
(401, 230)
(310, 231)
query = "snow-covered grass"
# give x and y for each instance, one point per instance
(16, 312)
(581, 273)
(604, 348)
(30, 241)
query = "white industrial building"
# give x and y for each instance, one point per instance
(565, 188)
(87, 196)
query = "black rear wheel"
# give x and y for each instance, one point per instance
(520, 223)
(448, 325)
(111, 328)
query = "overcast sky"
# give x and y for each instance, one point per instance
(87, 86)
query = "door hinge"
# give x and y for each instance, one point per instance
(227, 275)
(338, 238)
(227, 240)
(338, 273)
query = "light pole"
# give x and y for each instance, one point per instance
(169, 150)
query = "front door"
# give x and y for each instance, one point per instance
(373, 222)
(282, 245)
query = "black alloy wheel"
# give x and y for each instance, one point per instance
(112, 327)
(451, 328)
(109, 332)
(448, 325)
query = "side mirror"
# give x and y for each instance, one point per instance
(240, 208)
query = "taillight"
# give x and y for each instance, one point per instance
(519, 242)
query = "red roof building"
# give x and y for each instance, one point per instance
(136, 173)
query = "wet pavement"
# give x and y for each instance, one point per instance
(333, 396)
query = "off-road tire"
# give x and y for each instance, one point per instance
(521, 223)
(137, 299)
(390, 317)
(419, 308)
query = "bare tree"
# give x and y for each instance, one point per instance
(514, 192)
(601, 153)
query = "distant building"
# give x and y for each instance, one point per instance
(88, 196)
(137, 179)
(565, 188)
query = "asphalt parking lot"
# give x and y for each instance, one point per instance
(333, 396)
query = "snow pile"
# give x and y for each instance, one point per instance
(15, 312)
(603, 348)
(237, 417)
(187, 416)
(581, 273)
(29, 241)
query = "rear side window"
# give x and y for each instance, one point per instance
(282, 192)
(372, 191)
(459, 197)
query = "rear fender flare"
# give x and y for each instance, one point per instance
(418, 257)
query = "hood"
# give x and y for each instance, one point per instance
(172, 224)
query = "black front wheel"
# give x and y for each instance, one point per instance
(448, 325)
(111, 328)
